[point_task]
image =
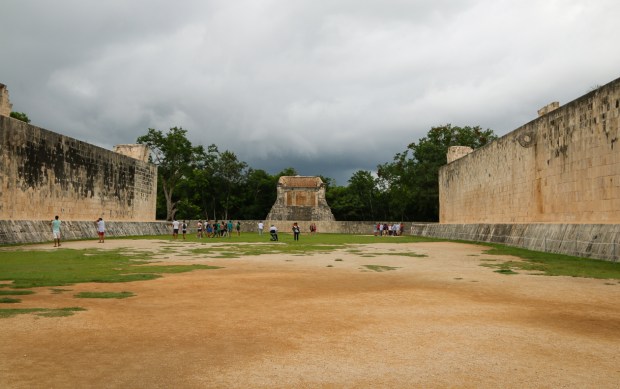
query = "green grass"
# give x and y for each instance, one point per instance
(553, 264)
(15, 292)
(379, 268)
(45, 312)
(28, 269)
(9, 300)
(326, 239)
(104, 295)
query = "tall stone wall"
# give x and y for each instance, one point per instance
(563, 167)
(43, 174)
(5, 103)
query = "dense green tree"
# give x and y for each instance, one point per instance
(20, 116)
(260, 194)
(412, 179)
(176, 158)
(230, 173)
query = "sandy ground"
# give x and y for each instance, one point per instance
(322, 321)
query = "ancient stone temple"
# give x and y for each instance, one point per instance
(300, 198)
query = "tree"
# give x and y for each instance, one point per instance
(175, 158)
(231, 172)
(259, 194)
(363, 186)
(412, 179)
(20, 116)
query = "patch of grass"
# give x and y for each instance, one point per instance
(330, 266)
(44, 312)
(401, 254)
(15, 292)
(104, 295)
(380, 268)
(338, 259)
(58, 290)
(458, 278)
(28, 269)
(505, 271)
(556, 264)
(9, 300)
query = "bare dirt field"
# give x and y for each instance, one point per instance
(322, 321)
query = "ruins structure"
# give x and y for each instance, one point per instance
(563, 167)
(5, 105)
(43, 174)
(301, 198)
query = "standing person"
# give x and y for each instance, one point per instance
(199, 229)
(184, 228)
(296, 231)
(56, 231)
(209, 229)
(238, 228)
(100, 229)
(261, 226)
(229, 228)
(175, 229)
(273, 230)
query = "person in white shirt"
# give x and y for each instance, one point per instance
(261, 226)
(100, 229)
(273, 230)
(175, 229)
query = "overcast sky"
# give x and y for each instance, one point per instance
(326, 87)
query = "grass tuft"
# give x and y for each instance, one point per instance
(104, 295)
(380, 268)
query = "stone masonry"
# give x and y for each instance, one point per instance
(5, 104)
(563, 167)
(300, 198)
(43, 174)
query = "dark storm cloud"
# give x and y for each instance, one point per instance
(325, 87)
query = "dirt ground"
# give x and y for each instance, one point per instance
(322, 321)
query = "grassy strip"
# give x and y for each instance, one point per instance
(104, 295)
(59, 312)
(326, 239)
(15, 292)
(379, 268)
(553, 264)
(9, 300)
(28, 269)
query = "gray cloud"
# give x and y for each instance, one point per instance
(326, 88)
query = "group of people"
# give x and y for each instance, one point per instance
(207, 229)
(384, 229)
(56, 225)
(203, 229)
(273, 231)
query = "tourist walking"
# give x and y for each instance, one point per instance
(56, 231)
(296, 231)
(199, 229)
(100, 229)
(261, 226)
(175, 229)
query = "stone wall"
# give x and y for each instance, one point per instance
(5, 104)
(38, 231)
(598, 241)
(43, 174)
(563, 167)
